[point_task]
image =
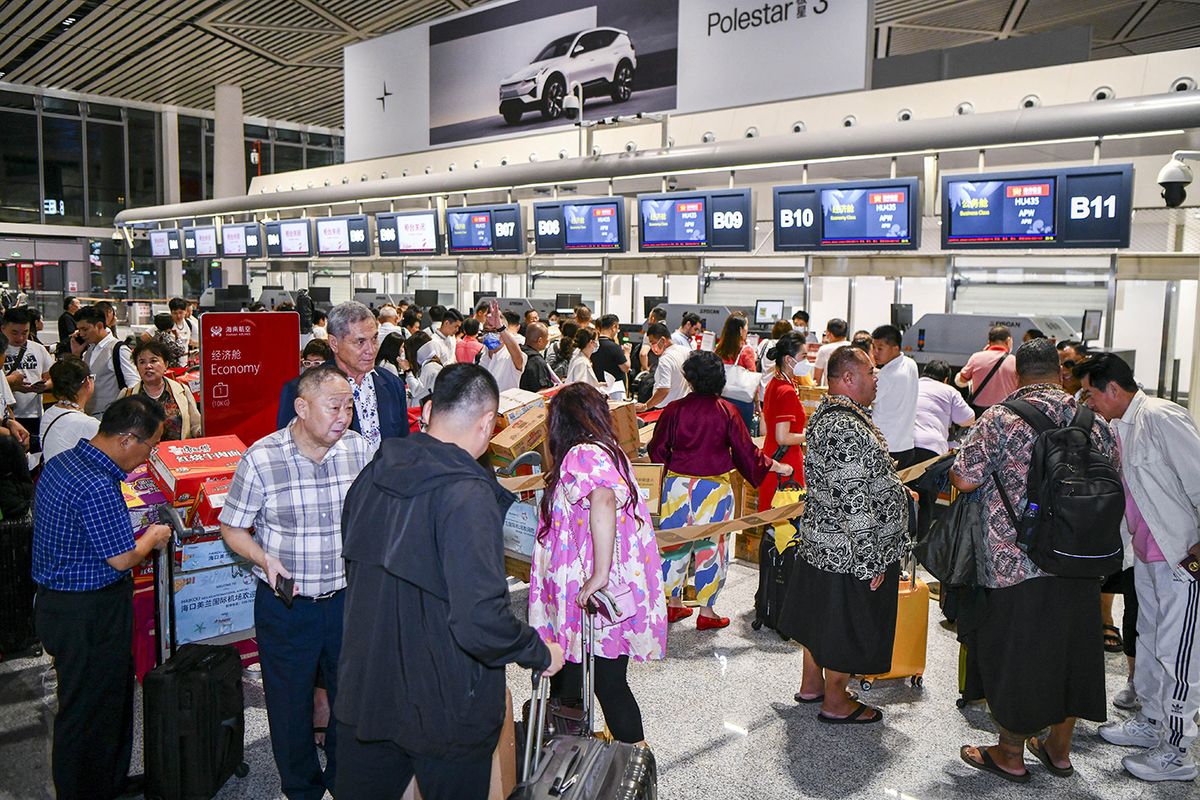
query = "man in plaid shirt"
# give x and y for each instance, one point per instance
(289, 487)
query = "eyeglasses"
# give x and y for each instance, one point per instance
(1069, 364)
(306, 363)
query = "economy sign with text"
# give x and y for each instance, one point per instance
(242, 373)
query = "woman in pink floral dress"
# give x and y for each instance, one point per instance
(595, 534)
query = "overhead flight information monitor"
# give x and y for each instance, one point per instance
(691, 221)
(580, 226)
(241, 240)
(200, 242)
(1077, 207)
(164, 243)
(863, 215)
(344, 236)
(289, 238)
(486, 229)
(404, 233)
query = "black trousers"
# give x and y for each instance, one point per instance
(621, 710)
(383, 770)
(927, 499)
(90, 636)
(34, 426)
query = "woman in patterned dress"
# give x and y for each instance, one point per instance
(595, 535)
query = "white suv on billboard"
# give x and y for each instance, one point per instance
(600, 60)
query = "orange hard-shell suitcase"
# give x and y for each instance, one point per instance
(912, 634)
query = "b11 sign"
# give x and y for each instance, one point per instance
(245, 359)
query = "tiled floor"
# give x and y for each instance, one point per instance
(720, 717)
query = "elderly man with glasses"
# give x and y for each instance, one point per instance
(83, 551)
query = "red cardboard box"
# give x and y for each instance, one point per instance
(180, 467)
(209, 502)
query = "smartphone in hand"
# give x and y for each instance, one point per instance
(285, 588)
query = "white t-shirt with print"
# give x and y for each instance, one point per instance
(35, 362)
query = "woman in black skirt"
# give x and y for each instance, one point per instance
(841, 600)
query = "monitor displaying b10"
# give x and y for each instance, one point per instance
(165, 243)
(863, 215)
(289, 238)
(696, 221)
(200, 242)
(241, 240)
(344, 236)
(404, 233)
(1080, 207)
(580, 226)
(486, 230)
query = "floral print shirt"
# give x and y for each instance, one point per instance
(1001, 443)
(366, 410)
(562, 563)
(856, 511)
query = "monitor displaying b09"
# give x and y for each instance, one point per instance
(344, 236)
(718, 220)
(408, 233)
(580, 226)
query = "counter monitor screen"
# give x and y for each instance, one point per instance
(289, 238)
(592, 226)
(200, 242)
(767, 312)
(165, 243)
(344, 236)
(865, 216)
(241, 240)
(408, 233)
(1003, 211)
(673, 222)
(1091, 324)
(486, 229)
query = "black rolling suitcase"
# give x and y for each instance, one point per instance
(16, 586)
(195, 723)
(581, 767)
(774, 571)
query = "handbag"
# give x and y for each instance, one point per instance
(617, 604)
(789, 491)
(954, 549)
(740, 383)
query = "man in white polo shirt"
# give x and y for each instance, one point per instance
(895, 406)
(502, 355)
(669, 383)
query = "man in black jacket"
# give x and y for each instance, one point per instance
(429, 624)
(537, 374)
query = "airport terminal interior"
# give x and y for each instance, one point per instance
(807, 170)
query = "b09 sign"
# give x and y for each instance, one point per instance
(696, 221)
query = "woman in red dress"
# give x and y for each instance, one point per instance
(783, 415)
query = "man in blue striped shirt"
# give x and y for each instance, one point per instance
(83, 550)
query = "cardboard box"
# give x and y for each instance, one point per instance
(209, 501)
(203, 552)
(522, 435)
(180, 467)
(520, 529)
(625, 426)
(514, 404)
(649, 479)
(214, 602)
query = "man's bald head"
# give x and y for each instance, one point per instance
(537, 336)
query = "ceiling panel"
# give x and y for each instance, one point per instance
(287, 54)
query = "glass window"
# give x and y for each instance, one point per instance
(107, 267)
(258, 159)
(54, 105)
(320, 139)
(20, 194)
(101, 111)
(257, 132)
(209, 157)
(191, 177)
(288, 158)
(143, 158)
(287, 135)
(319, 158)
(105, 171)
(16, 100)
(62, 170)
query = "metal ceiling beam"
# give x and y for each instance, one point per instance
(1179, 110)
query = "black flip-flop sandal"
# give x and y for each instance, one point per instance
(1040, 754)
(801, 699)
(855, 717)
(991, 766)
(1113, 643)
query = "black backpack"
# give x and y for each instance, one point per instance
(1072, 525)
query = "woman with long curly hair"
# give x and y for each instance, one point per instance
(595, 536)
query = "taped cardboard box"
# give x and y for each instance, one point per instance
(209, 502)
(514, 404)
(524, 434)
(649, 479)
(625, 426)
(180, 467)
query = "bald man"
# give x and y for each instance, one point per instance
(537, 374)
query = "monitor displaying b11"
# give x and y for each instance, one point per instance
(344, 236)
(200, 242)
(406, 233)
(1080, 207)
(241, 240)
(289, 238)
(164, 243)
(580, 226)
(485, 230)
(863, 215)
(696, 221)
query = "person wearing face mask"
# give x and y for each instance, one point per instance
(183, 418)
(580, 369)
(800, 322)
(283, 514)
(669, 383)
(783, 415)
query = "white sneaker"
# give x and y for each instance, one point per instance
(1162, 763)
(1135, 732)
(1126, 698)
